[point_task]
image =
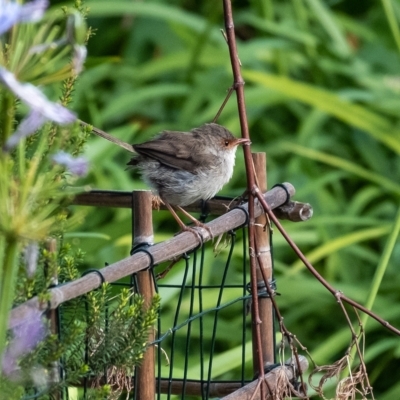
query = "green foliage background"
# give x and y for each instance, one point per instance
(322, 90)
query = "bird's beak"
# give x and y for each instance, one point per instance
(242, 141)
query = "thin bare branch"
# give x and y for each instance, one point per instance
(302, 257)
(238, 85)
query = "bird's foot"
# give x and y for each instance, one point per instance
(194, 220)
(195, 231)
(156, 202)
(197, 222)
(204, 226)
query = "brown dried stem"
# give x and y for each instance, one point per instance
(363, 375)
(280, 381)
(238, 84)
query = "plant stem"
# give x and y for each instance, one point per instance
(11, 250)
(7, 117)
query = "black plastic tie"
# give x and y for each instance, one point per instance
(281, 185)
(96, 271)
(246, 213)
(142, 247)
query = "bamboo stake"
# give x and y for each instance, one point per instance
(264, 260)
(143, 234)
(293, 211)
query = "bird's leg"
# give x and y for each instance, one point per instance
(196, 221)
(175, 215)
(181, 224)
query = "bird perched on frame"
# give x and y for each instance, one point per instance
(184, 167)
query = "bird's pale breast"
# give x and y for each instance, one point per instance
(180, 187)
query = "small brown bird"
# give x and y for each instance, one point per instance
(183, 167)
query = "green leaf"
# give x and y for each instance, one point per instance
(340, 243)
(358, 116)
(161, 11)
(343, 164)
(124, 105)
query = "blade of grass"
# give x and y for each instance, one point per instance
(344, 165)
(353, 114)
(339, 243)
(391, 18)
(327, 22)
(380, 272)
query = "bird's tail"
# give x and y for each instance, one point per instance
(107, 136)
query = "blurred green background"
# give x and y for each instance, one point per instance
(322, 92)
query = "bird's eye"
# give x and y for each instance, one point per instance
(226, 143)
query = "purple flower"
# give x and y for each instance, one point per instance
(12, 12)
(79, 58)
(26, 336)
(36, 100)
(78, 166)
(28, 125)
(42, 109)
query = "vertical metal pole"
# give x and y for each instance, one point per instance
(264, 260)
(143, 233)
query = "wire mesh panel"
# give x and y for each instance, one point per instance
(201, 332)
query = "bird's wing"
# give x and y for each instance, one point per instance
(169, 149)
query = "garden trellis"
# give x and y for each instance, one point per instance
(146, 256)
